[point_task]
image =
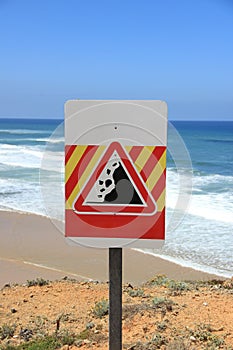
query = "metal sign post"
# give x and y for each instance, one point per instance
(115, 298)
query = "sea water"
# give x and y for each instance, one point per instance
(199, 231)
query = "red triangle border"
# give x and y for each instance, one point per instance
(148, 210)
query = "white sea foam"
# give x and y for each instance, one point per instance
(189, 263)
(23, 131)
(31, 139)
(21, 156)
(53, 161)
(28, 157)
(212, 205)
(51, 140)
(19, 194)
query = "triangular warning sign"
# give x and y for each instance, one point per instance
(115, 187)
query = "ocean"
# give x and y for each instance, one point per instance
(199, 228)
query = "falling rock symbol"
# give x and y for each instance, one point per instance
(114, 186)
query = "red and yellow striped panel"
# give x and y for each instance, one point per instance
(81, 160)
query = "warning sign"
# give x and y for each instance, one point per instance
(114, 184)
(115, 187)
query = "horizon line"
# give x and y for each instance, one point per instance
(171, 120)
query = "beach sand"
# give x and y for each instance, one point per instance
(32, 246)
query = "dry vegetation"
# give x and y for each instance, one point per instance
(161, 314)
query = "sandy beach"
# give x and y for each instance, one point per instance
(31, 246)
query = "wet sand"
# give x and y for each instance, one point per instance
(32, 246)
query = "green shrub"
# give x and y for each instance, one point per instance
(158, 340)
(101, 308)
(85, 334)
(177, 286)
(203, 333)
(37, 282)
(135, 293)
(48, 343)
(160, 302)
(7, 331)
(52, 342)
(160, 280)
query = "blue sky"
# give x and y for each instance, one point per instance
(180, 51)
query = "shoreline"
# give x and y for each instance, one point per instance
(31, 247)
(194, 266)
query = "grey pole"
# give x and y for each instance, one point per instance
(115, 298)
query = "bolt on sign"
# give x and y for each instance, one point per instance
(115, 170)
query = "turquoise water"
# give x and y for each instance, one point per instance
(203, 236)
